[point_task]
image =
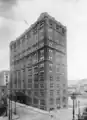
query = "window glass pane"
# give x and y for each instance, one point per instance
(51, 85)
(51, 101)
(35, 69)
(41, 34)
(36, 77)
(51, 78)
(42, 102)
(51, 92)
(50, 67)
(41, 67)
(42, 93)
(36, 85)
(41, 54)
(42, 85)
(41, 76)
(50, 33)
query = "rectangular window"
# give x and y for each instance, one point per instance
(41, 55)
(58, 78)
(58, 101)
(29, 92)
(29, 71)
(41, 75)
(58, 92)
(36, 38)
(50, 33)
(41, 67)
(57, 68)
(56, 37)
(64, 99)
(42, 93)
(19, 79)
(50, 67)
(61, 42)
(51, 101)
(29, 85)
(29, 60)
(51, 85)
(50, 54)
(51, 92)
(23, 83)
(36, 85)
(41, 34)
(64, 91)
(35, 101)
(36, 93)
(50, 58)
(50, 43)
(16, 79)
(63, 31)
(58, 27)
(15, 45)
(30, 76)
(35, 69)
(50, 23)
(42, 22)
(50, 51)
(26, 36)
(30, 80)
(34, 30)
(41, 44)
(41, 78)
(42, 85)
(51, 78)
(42, 102)
(35, 58)
(36, 77)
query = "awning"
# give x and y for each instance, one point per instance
(20, 94)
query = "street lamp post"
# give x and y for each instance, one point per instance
(73, 97)
(15, 104)
(6, 100)
(10, 105)
(79, 110)
(9, 109)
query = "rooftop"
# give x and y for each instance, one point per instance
(42, 15)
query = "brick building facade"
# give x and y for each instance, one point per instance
(38, 64)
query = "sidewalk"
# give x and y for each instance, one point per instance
(14, 117)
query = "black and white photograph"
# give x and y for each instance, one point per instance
(43, 59)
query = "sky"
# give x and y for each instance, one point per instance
(71, 13)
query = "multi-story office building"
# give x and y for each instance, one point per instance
(38, 64)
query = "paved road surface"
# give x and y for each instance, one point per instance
(63, 114)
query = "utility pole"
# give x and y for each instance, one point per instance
(9, 118)
(10, 102)
(15, 104)
(79, 115)
(73, 97)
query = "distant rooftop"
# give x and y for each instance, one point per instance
(4, 71)
(72, 82)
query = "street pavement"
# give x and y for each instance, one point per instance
(62, 114)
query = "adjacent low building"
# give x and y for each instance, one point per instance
(38, 64)
(4, 80)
